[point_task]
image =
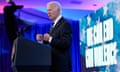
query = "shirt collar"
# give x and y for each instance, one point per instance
(57, 19)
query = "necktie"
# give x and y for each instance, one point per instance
(51, 29)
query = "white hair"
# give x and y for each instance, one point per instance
(56, 4)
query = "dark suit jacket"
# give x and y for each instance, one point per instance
(61, 43)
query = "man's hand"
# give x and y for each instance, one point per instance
(46, 37)
(39, 37)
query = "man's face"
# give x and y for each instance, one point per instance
(52, 11)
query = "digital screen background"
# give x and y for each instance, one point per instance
(100, 39)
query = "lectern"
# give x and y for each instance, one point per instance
(31, 56)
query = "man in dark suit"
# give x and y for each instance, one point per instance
(59, 39)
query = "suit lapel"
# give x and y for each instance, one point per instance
(58, 23)
(56, 26)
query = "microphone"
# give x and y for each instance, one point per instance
(21, 33)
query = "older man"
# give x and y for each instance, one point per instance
(59, 38)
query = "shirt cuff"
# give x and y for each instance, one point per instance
(50, 39)
(40, 42)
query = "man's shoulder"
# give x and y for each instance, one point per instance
(64, 20)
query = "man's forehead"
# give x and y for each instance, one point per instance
(50, 6)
